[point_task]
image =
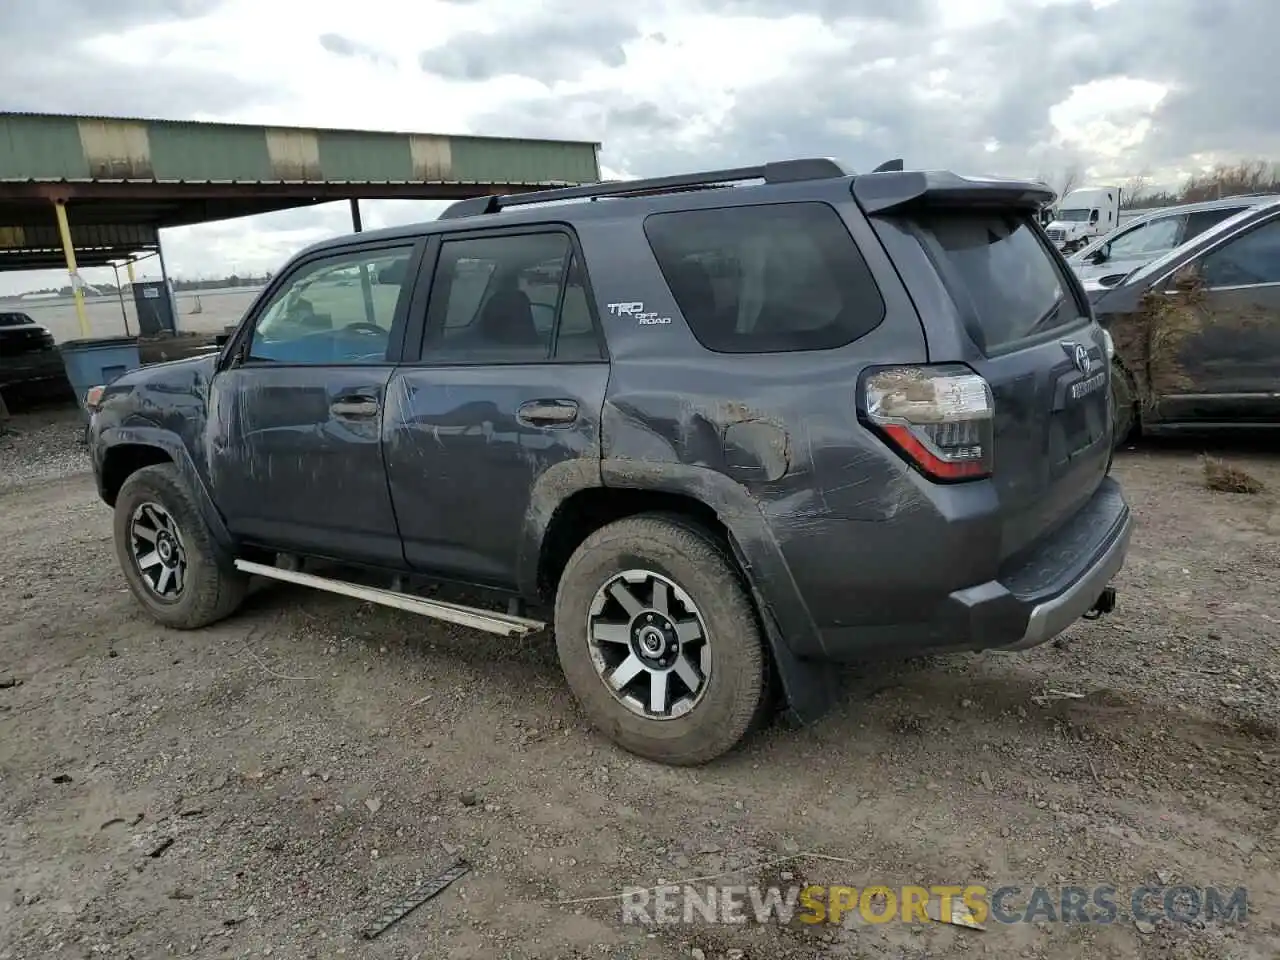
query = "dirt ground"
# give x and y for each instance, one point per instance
(268, 786)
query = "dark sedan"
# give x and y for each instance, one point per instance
(30, 362)
(1197, 332)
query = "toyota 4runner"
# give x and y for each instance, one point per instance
(724, 428)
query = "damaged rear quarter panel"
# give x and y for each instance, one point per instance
(771, 442)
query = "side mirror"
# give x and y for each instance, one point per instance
(222, 339)
(1102, 254)
(393, 274)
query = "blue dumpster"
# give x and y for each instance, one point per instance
(93, 363)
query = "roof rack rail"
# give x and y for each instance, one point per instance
(781, 171)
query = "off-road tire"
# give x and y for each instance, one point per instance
(738, 690)
(1124, 405)
(213, 588)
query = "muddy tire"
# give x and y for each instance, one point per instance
(1124, 405)
(659, 640)
(169, 557)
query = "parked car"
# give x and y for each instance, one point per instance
(750, 422)
(1197, 331)
(1108, 260)
(30, 363)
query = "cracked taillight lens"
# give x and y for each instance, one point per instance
(939, 418)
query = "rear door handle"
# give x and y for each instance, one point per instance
(357, 405)
(548, 413)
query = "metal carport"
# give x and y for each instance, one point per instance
(91, 191)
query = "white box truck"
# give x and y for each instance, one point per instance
(1083, 214)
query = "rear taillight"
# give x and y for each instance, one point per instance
(938, 418)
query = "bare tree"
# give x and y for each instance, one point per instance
(1071, 178)
(1224, 180)
(1134, 191)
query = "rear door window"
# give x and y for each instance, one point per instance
(769, 278)
(1251, 259)
(1006, 282)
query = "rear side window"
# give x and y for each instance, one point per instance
(764, 279)
(1006, 282)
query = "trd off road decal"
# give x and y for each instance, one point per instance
(636, 309)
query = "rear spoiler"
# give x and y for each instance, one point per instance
(882, 192)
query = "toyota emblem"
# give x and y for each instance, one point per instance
(1079, 355)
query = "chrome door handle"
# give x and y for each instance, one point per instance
(543, 413)
(355, 406)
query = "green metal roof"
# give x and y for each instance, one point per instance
(55, 148)
(122, 179)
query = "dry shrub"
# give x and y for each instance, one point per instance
(1225, 478)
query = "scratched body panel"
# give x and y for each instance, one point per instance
(772, 442)
(288, 471)
(467, 474)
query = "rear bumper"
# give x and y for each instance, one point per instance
(1050, 618)
(1031, 601)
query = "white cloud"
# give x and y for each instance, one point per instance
(1001, 86)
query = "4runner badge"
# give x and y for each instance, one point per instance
(635, 308)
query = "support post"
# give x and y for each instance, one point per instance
(124, 314)
(366, 286)
(168, 290)
(69, 252)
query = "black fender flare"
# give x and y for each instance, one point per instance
(808, 685)
(171, 444)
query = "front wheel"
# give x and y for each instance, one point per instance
(1124, 406)
(659, 640)
(168, 556)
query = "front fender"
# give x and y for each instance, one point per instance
(114, 437)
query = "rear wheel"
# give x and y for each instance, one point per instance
(168, 555)
(659, 640)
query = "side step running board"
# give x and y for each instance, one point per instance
(490, 621)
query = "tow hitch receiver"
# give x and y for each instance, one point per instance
(1105, 603)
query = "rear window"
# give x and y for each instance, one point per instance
(1006, 282)
(766, 279)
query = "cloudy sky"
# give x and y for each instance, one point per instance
(1015, 87)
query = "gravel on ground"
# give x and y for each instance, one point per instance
(267, 786)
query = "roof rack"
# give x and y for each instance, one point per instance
(782, 171)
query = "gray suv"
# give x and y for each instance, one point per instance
(720, 429)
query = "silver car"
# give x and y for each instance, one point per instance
(1108, 260)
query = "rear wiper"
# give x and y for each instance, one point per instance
(1050, 314)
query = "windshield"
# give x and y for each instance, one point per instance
(1073, 216)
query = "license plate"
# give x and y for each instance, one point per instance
(1086, 387)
